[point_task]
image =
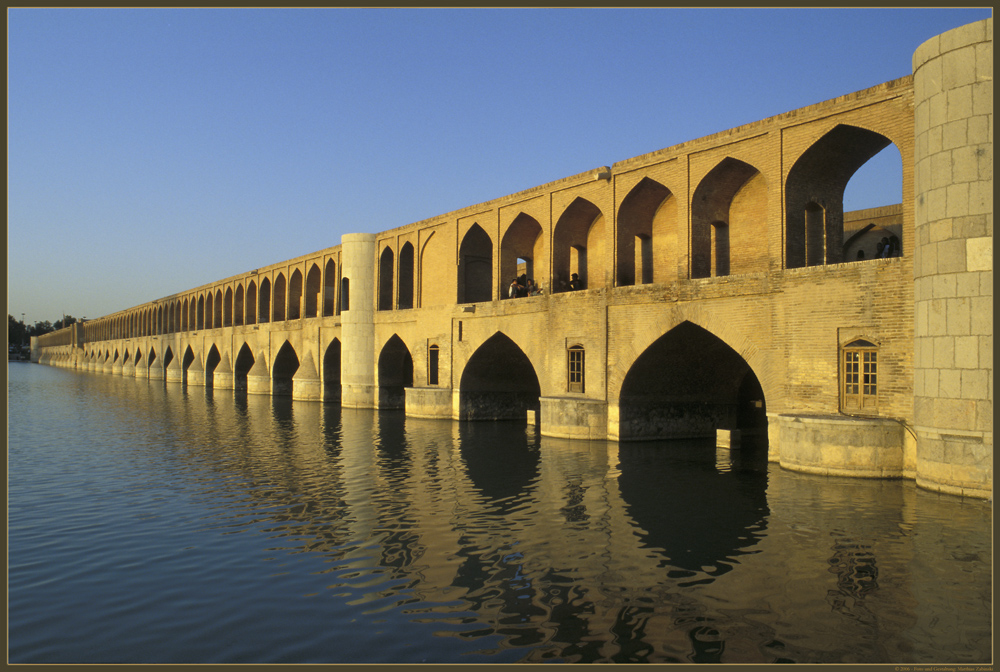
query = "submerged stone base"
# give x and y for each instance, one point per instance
(568, 418)
(428, 402)
(839, 445)
(955, 462)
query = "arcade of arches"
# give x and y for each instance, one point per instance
(714, 286)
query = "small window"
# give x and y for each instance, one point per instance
(575, 367)
(432, 365)
(345, 294)
(860, 376)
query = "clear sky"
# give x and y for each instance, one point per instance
(151, 151)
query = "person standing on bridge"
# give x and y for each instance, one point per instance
(574, 283)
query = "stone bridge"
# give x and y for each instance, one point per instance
(713, 288)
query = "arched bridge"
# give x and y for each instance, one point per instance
(713, 285)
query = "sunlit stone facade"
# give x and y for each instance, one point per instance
(721, 288)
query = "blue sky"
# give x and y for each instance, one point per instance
(151, 151)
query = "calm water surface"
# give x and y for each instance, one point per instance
(153, 523)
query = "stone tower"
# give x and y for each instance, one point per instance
(953, 260)
(357, 291)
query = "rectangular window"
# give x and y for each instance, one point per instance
(575, 369)
(860, 376)
(432, 365)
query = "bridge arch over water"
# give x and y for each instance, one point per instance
(728, 258)
(498, 382)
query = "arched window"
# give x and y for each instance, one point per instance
(385, 268)
(575, 368)
(330, 299)
(859, 373)
(345, 294)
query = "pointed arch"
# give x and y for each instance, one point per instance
(187, 361)
(212, 360)
(578, 246)
(251, 302)
(690, 383)
(404, 290)
(395, 373)
(475, 266)
(280, 286)
(227, 311)
(314, 286)
(433, 290)
(642, 231)
(217, 319)
(238, 306)
(295, 295)
(523, 239)
(386, 262)
(498, 382)
(331, 371)
(814, 194)
(241, 367)
(330, 289)
(286, 363)
(729, 212)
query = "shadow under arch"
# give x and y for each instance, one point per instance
(286, 363)
(688, 383)
(498, 382)
(331, 371)
(395, 373)
(241, 367)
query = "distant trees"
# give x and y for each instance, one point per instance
(65, 322)
(18, 332)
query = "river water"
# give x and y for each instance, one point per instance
(153, 523)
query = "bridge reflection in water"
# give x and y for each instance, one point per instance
(374, 537)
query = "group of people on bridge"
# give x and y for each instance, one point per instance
(524, 286)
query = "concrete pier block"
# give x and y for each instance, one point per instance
(727, 438)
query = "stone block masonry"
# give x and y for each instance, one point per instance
(721, 290)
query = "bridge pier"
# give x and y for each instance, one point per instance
(306, 385)
(196, 373)
(222, 377)
(156, 371)
(428, 402)
(838, 445)
(258, 377)
(173, 372)
(572, 418)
